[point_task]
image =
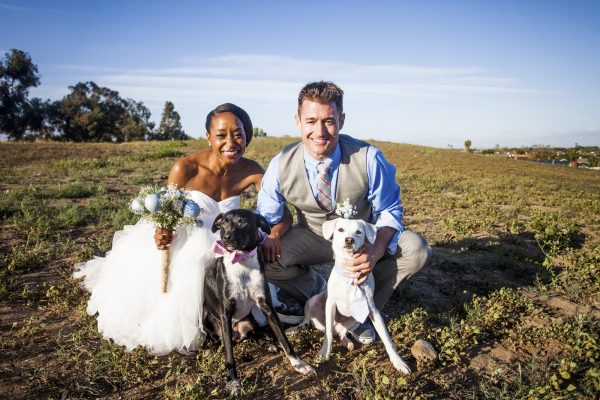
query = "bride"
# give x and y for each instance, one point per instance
(125, 285)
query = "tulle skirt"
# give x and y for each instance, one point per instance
(126, 293)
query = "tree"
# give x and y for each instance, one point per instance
(98, 114)
(17, 75)
(170, 125)
(39, 118)
(137, 125)
(468, 145)
(258, 132)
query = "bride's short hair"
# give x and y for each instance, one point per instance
(238, 112)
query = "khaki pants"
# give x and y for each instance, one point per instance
(302, 249)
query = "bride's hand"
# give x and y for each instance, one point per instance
(271, 249)
(163, 238)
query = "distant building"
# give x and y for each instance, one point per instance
(516, 156)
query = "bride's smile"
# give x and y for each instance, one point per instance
(227, 137)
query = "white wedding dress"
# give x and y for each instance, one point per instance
(125, 285)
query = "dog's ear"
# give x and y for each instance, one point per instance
(370, 232)
(263, 224)
(217, 224)
(328, 228)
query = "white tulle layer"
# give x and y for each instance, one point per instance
(126, 290)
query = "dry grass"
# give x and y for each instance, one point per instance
(511, 299)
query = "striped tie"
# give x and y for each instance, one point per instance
(324, 188)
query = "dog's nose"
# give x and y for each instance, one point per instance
(349, 240)
(227, 236)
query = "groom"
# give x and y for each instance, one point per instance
(326, 168)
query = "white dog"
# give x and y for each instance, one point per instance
(349, 300)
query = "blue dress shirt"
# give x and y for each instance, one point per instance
(384, 192)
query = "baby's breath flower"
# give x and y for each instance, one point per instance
(345, 209)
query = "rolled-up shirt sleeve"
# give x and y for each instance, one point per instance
(270, 202)
(384, 194)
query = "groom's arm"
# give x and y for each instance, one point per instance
(272, 247)
(271, 205)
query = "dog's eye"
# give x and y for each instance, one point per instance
(358, 232)
(242, 224)
(340, 229)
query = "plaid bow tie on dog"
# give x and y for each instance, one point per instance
(233, 256)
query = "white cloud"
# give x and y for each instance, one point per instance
(11, 7)
(265, 77)
(267, 86)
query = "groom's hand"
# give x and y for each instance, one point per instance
(362, 262)
(271, 249)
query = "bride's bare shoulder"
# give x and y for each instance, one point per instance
(187, 168)
(251, 173)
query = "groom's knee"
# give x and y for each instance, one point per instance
(414, 250)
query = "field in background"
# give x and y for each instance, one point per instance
(511, 299)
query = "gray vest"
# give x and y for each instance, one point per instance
(352, 183)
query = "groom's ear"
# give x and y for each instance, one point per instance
(263, 224)
(217, 224)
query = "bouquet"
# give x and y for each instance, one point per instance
(166, 207)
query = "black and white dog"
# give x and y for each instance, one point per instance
(236, 282)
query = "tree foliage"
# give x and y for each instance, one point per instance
(170, 125)
(88, 113)
(98, 114)
(39, 116)
(468, 145)
(258, 132)
(17, 75)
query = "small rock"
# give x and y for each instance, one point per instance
(423, 351)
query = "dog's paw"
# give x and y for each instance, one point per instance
(271, 348)
(323, 355)
(295, 329)
(348, 344)
(401, 366)
(234, 388)
(305, 369)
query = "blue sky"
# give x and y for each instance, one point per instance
(425, 72)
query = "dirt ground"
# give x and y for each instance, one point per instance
(49, 349)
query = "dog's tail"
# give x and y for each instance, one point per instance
(285, 318)
(305, 321)
(300, 324)
(291, 319)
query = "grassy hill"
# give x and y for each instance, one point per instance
(511, 299)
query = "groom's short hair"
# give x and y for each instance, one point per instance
(322, 92)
